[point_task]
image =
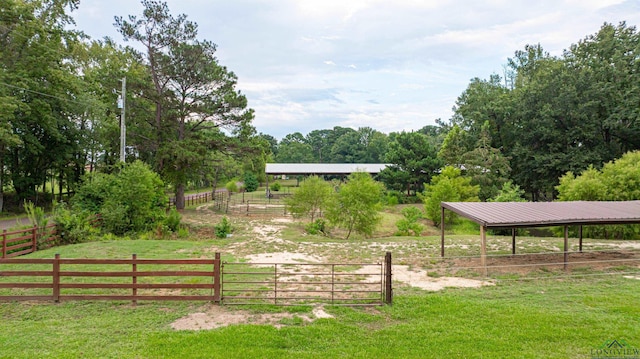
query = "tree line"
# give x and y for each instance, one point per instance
(59, 104)
(543, 117)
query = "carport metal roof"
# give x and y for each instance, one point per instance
(541, 214)
(322, 168)
(544, 214)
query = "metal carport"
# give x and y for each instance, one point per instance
(540, 214)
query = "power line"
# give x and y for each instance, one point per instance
(43, 94)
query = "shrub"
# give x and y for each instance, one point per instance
(74, 226)
(232, 185)
(172, 220)
(448, 186)
(250, 182)
(131, 200)
(275, 186)
(316, 227)
(223, 228)
(37, 218)
(409, 224)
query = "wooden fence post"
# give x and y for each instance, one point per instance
(34, 238)
(56, 278)
(134, 268)
(217, 279)
(388, 297)
(4, 243)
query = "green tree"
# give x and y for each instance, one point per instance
(294, 152)
(192, 92)
(41, 96)
(250, 182)
(448, 186)
(509, 193)
(310, 199)
(356, 204)
(486, 166)
(454, 147)
(413, 161)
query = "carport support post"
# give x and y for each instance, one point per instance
(483, 248)
(441, 231)
(513, 241)
(566, 246)
(580, 230)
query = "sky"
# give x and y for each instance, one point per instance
(392, 65)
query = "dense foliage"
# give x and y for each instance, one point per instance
(129, 200)
(545, 117)
(618, 180)
(448, 186)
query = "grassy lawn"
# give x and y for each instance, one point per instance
(555, 316)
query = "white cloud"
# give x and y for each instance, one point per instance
(389, 64)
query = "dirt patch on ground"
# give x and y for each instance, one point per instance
(420, 279)
(282, 258)
(216, 316)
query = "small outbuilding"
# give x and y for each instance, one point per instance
(513, 215)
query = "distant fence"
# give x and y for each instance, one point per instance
(24, 241)
(191, 199)
(193, 279)
(251, 203)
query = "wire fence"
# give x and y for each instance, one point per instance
(251, 203)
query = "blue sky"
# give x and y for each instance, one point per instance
(391, 65)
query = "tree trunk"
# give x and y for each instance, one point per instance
(180, 196)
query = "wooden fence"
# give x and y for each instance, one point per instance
(192, 199)
(136, 279)
(24, 241)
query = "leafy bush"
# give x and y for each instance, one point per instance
(509, 193)
(275, 186)
(409, 224)
(316, 227)
(131, 200)
(232, 185)
(74, 226)
(250, 182)
(223, 228)
(38, 218)
(95, 189)
(448, 186)
(172, 221)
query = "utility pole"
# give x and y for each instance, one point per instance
(123, 128)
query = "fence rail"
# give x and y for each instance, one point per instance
(192, 199)
(251, 203)
(25, 241)
(285, 284)
(136, 279)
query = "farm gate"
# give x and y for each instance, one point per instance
(212, 280)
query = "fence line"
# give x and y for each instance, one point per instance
(169, 279)
(192, 199)
(24, 241)
(251, 203)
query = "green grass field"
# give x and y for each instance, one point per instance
(554, 316)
